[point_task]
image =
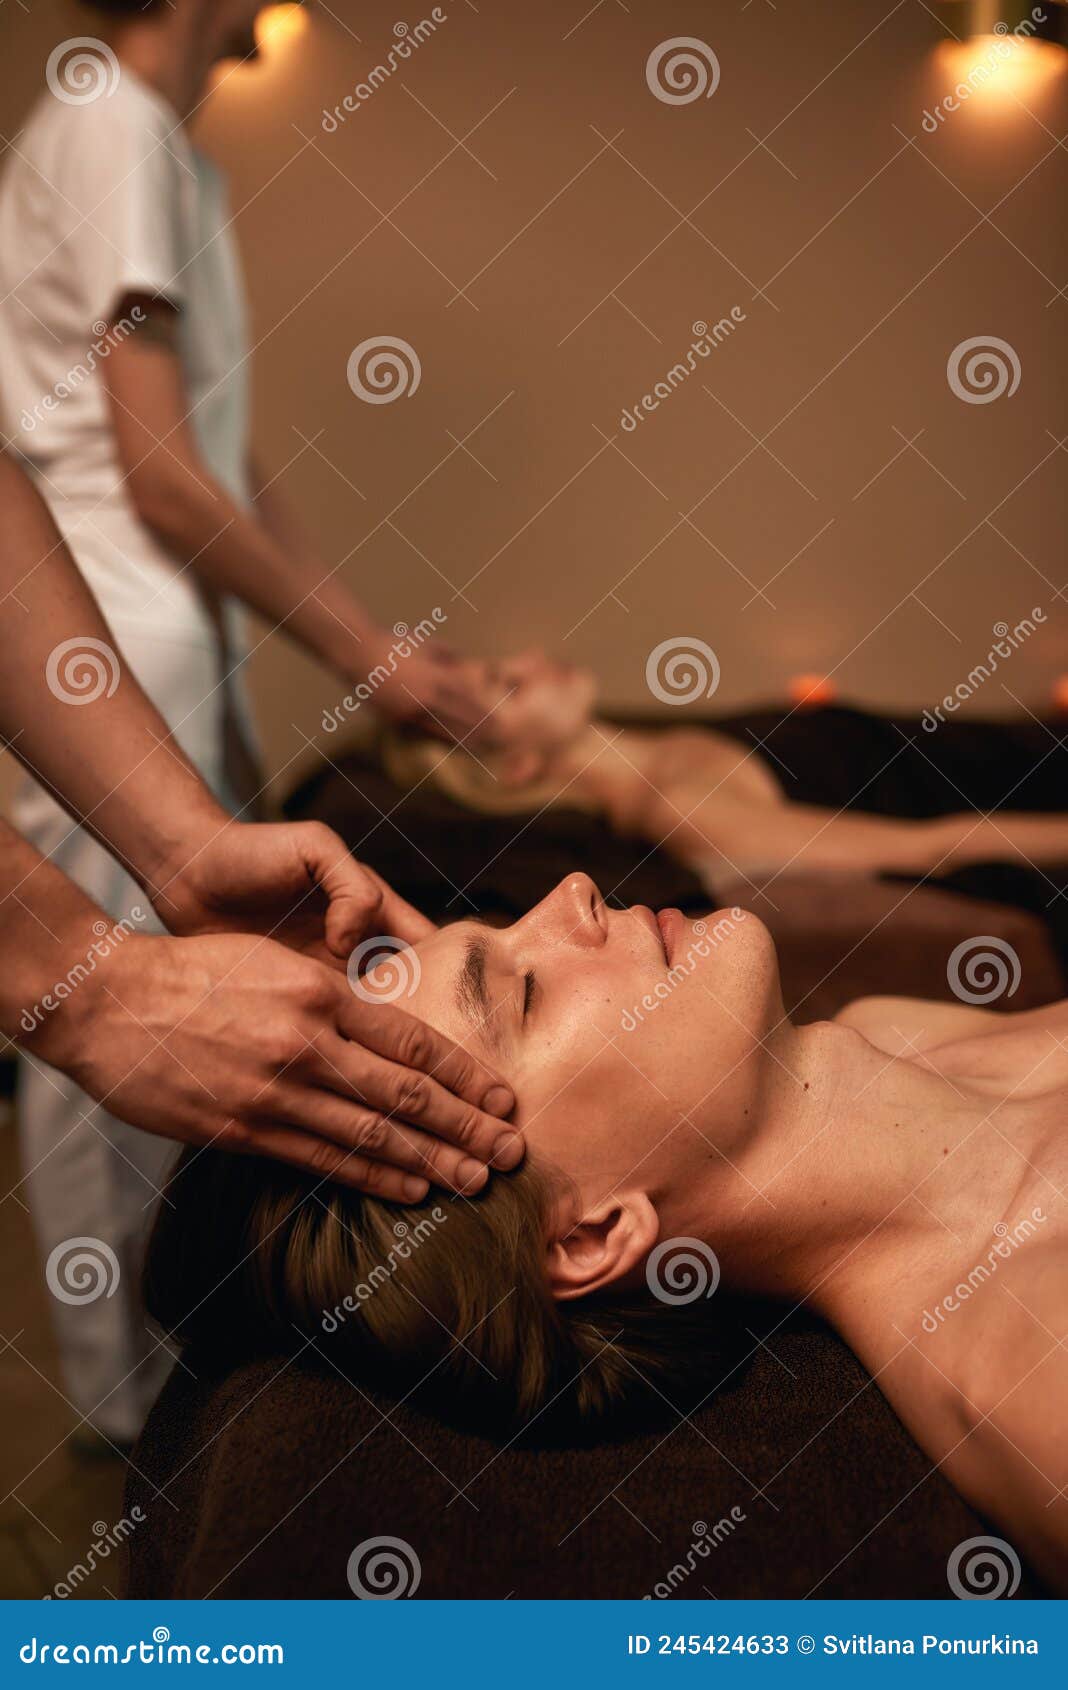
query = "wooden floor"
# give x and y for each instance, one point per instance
(58, 1495)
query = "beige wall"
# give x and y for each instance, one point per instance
(771, 506)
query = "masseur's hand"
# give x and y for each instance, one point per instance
(444, 695)
(240, 1042)
(295, 882)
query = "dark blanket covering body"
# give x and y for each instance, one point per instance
(260, 1479)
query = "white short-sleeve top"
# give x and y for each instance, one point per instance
(99, 200)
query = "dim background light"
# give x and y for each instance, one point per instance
(809, 692)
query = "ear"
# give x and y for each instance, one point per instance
(521, 766)
(610, 1242)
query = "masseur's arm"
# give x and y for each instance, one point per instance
(258, 554)
(77, 718)
(111, 762)
(233, 1040)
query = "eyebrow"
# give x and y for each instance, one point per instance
(472, 994)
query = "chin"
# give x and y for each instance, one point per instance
(733, 949)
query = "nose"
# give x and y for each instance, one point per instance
(572, 914)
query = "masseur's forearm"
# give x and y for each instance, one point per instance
(76, 718)
(47, 928)
(241, 552)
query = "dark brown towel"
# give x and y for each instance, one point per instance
(281, 1470)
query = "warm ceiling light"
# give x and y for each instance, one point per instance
(277, 26)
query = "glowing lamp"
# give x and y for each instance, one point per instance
(277, 27)
(811, 692)
(1023, 19)
(1059, 695)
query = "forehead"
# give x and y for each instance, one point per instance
(434, 980)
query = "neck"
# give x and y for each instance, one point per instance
(855, 1157)
(600, 767)
(164, 53)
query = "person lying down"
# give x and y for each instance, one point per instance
(899, 1170)
(714, 802)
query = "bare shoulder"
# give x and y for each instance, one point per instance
(901, 1026)
(1006, 1358)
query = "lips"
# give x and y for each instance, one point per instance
(670, 923)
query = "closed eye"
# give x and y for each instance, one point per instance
(530, 990)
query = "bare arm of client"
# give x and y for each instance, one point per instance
(258, 553)
(753, 836)
(331, 1064)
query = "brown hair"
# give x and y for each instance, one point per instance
(449, 1297)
